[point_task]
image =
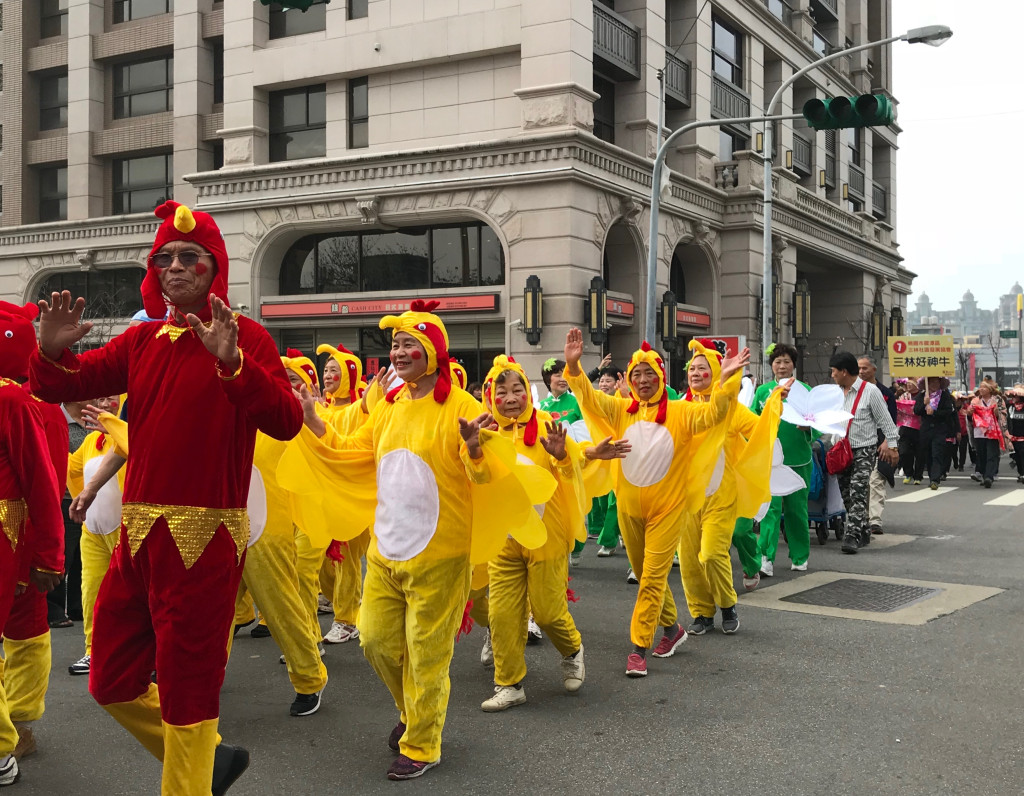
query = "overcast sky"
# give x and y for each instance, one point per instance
(959, 168)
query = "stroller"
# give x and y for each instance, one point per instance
(825, 507)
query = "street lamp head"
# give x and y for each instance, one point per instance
(935, 35)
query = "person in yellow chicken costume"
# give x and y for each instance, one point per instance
(664, 475)
(427, 448)
(740, 484)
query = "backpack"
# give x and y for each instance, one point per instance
(1015, 421)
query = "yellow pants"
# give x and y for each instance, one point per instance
(480, 612)
(513, 575)
(26, 676)
(8, 733)
(308, 560)
(271, 577)
(344, 579)
(704, 560)
(245, 608)
(651, 546)
(96, 552)
(186, 752)
(410, 614)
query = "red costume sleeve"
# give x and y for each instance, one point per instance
(102, 371)
(261, 387)
(34, 471)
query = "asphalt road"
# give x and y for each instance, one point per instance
(792, 704)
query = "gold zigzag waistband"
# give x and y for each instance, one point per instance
(12, 517)
(191, 527)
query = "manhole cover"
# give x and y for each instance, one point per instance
(862, 595)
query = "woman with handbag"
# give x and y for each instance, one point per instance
(853, 456)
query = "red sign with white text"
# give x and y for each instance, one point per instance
(302, 309)
(699, 319)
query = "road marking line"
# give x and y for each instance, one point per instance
(1015, 498)
(923, 494)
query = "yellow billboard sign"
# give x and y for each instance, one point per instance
(922, 355)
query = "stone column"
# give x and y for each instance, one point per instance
(696, 151)
(245, 132)
(637, 100)
(193, 96)
(85, 111)
(16, 183)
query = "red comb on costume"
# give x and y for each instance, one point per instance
(293, 353)
(645, 346)
(420, 305)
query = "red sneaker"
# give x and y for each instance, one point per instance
(667, 646)
(407, 768)
(636, 665)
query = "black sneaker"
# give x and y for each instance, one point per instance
(701, 625)
(987, 483)
(865, 538)
(81, 666)
(396, 737)
(850, 543)
(730, 621)
(306, 704)
(407, 768)
(876, 530)
(976, 476)
(229, 763)
(244, 624)
(260, 631)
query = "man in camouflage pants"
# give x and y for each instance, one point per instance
(870, 416)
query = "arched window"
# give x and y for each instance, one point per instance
(414, 258)
(108, 293)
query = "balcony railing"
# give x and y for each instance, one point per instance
(803, 160)
(616, 43)
(677, 81)
(856, 182)
(879, 201)
(728, 102)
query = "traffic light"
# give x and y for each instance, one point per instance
(867, 110)
(301, 5)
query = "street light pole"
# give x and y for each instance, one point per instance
(932, 34)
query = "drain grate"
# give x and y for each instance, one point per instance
(862, 595)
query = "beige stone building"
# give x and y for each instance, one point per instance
(367, 152)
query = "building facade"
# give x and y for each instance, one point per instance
(368, 152)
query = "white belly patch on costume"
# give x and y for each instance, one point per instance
(408, 505)
(652, 453)
(522, 458)
(716, 475)
(104, 515)
(256, 505)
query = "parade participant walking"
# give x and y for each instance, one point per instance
(796, 452)
(32, 550)
(882, 472)
(201, 383)
(988, 435)
(870, 415)
(934, 405)
(704, 561)
(912, 453)
(1015, 427)
(664, 475)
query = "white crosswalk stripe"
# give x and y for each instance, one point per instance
(1015, 498)
(922, 493)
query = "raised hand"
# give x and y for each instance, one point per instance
(470, 431)
(609, 449)
(60, 323)
(308, 403)
(387, 378)
(605, 362)
(573, 350)
(221, 337)
(622, 386)
(91, 416)
(734, 364)
(784, 388)
(554, 442)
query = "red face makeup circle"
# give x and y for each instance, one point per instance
(416, 354)
(200, 269)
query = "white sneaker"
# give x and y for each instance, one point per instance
(487, 653)
(631, 576)
(533, 634)
(799, 567)
(323, 605)
(604, 552)
(767, 567)
(319, 648)
(340, 633)
(751, 583)
(573, 671)
(9, 771)
(505, 697)
(574, 559)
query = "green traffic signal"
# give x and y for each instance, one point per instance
(867, 110)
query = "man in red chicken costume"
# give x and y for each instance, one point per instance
(201, 384)
(32, 547)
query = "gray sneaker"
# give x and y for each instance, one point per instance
(730, 620)
(701, 625)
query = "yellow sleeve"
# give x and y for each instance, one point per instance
(700, 417)
(601, 412)
(744, 421)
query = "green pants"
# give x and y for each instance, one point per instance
(745, 541)
(794, 507)
(604, 521)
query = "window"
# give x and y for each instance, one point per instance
(218, 71)
(53, 18)
(53, 102)
(358, 113)
(298, 123)
(292, 22)
(604, 109)
(820, 44)
(358, 9)
(777, 7)
(729, 144)
(853, 137)
(143, 87)
(726, 52)
(113, 293)
(141, 183)
(53, 193)
(454, 255)
(127, 10)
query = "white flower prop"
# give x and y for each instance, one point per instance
(746, 396)
(820, 408)
(784, 480)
